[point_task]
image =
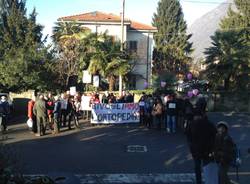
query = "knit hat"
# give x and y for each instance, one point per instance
(222, 123)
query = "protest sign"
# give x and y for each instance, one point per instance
(115, 113)
(85, 103)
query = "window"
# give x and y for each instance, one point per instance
(132, 45)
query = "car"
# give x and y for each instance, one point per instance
(8, 99)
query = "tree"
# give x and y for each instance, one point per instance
(23, 54)
(72, 45)
(228, 59)
(172, 50)
(108, 61)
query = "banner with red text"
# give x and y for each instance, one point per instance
(115, 113)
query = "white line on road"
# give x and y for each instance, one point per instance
(136, 178)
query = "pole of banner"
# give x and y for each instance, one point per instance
(122, 41)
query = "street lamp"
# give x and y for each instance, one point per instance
(122, 41)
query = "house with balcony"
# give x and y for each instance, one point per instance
(137, 36)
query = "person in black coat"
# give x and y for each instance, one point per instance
(201, 139)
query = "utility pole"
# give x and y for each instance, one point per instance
(122, 42)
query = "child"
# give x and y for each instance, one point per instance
(224, 151)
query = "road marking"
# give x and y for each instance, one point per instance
(136, 149)
(136, 178)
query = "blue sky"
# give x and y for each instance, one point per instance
(138, 10)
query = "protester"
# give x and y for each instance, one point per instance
(158, 113)
(180, 103)
(40, 112)
(64, 109)
(171, 115)
(50, 108)
(4, 112)
(201, 137)
(129, 97)
(201, 104)
(72, 114)
(120, 99)
(224, 151)
(57, 115)
(105, 97)
(111, 98)
(96, 99)
(149, 103)
(188, 114)
(142, 110)
(31, 115)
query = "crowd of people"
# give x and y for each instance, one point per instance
(46, 111)
(168, 112)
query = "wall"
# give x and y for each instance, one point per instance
(144, 53)
(113, 29)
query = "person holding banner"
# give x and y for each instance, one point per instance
(142, 110)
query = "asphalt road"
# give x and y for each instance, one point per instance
(99, 154)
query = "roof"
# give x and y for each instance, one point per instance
(104, 17)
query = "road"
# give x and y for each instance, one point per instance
(99, 154)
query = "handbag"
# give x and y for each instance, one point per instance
(30, 123)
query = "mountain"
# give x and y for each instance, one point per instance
(205, 27)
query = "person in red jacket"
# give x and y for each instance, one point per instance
(31, 115)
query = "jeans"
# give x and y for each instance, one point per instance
(197, 169)
(171, 123)
(223, 177)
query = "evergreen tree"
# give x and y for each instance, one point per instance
(22, 51)
(230, 50)
(172, 49)
(226, 60)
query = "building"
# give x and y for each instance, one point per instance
(137, 36)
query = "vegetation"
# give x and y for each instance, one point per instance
(228, 59)
(171, 53)
(23, 56)
(79, 49)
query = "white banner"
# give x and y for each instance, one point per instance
(86, 78)
(115, 113)
(72, 91)
(85, 103)
(96, 80)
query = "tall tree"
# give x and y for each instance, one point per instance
(107, 60)
(172, 48)
(228, 59)
(71, 45)
(22, 51)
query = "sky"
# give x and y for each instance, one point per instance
(138, 10)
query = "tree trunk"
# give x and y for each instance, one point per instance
(111, 83)
(226, 83)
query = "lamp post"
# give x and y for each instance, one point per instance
(122, 41)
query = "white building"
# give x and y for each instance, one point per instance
(138, 36)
